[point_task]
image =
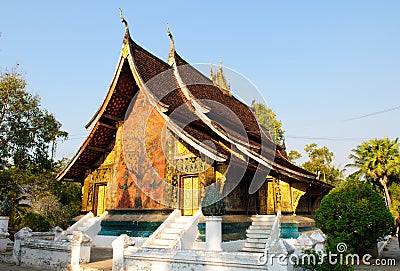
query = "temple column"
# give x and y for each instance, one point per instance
(213, 233)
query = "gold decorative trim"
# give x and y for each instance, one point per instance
(125, 50)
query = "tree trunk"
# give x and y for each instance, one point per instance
(388, 199)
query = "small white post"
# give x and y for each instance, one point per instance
(19, 236)
(80, 249)
(3, 240)
(119, 245)
(4, 223)
(214, 233)
(58, 232)
(76, 250)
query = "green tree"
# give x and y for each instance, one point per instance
(28, 133)
(394, 190)
(321, 163)
(354, 214)
(28, 136)
(267, 120)
(293, 156)
(377, 159)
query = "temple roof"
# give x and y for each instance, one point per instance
(186, 99)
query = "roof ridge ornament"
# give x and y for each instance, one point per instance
(127, 34)
(219, 80)
(171, 54)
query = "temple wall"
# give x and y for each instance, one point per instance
(184, 161)
(145, 168)
(102, 175)
(134, 169)
(277, 195)
(140, 169)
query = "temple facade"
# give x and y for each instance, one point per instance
(165, 132)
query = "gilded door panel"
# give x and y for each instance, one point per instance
(187, 196)
(270, 198)
(286, 197)
(190, 199)
(262, 198)
(100, 198)
(196, 195)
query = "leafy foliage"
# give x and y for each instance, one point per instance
(41, 193)
(320, 163)
(9, 187)
(294, 156)
(5, 207)
(394, 190)
(377, 160)
(354, 214)
(267, 120)
(28, 134)
(34, 221)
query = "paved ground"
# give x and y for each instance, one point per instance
(390, 259)
(13, 267)
(101, 259)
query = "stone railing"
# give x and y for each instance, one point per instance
(274, 244)
(80, 223)
(176, 213)
(120, 245)
(189, 233)
(275, 232)
(88, 224)
(51, 250)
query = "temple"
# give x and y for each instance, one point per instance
(165, 132)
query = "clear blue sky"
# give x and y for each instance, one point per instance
(317, 63)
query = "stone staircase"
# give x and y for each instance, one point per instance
(258, 233)
(88, 224)
(173, 232)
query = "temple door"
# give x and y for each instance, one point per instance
(99, 205)
(263, 199)
(191, 195)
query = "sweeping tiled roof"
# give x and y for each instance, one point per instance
(140, 69)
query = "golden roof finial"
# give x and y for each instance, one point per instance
(127, 35)
(123, 19)
(219, 79)
(211, 70)
(168, 31)
(171, 54)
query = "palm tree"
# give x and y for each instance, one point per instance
(378, 159)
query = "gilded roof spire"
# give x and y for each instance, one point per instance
(219, 79)
(127, 35)
(171, 54)
(211, 70)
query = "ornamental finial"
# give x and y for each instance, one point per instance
(122, 18)
(127, 35)
(169, 32)
(171, 54)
